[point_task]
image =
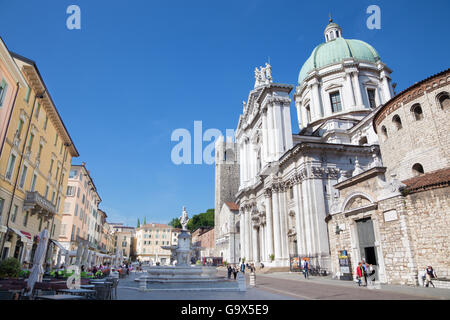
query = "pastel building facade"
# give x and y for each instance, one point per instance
(34, 167)
(80, 210)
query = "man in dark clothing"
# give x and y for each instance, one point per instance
(229, 270)
(235, 272)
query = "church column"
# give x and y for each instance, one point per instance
(321, 228)
(299, 226)
(306, 217)
(276, 224)
(255, 243)
(265, 142)
(287, 126)
(270, 131)
(283, 225)
(385, 85)
(349, 87)
(269, 224)
(242, 233)
(248, 227)
(279, 139)
(318, 108)
(357, 89)
(262, 238)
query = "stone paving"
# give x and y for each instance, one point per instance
(417, 292)
(286, 286)
(127, 290)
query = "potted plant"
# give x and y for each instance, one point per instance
(10, 268)
(271, 257)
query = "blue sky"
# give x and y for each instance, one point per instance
(138, 70)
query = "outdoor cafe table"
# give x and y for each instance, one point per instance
(87, 286)
(60, 297)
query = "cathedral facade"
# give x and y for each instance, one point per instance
(340, 191)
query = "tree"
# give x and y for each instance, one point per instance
(138, 223)
(145, 220)
(175, 223)
(205, 219)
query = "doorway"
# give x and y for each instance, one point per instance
(366, 240)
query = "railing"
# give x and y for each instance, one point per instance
(314, 268)
(35, 201)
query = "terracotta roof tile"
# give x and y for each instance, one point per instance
(433, 179)
(233, 206)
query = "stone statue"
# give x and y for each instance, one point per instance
(184, 219)
(268, 72)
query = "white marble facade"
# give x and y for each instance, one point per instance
(286, 180)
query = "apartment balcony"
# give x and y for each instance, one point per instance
(36, 203)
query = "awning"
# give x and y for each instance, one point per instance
(22, 234)
(59, 245)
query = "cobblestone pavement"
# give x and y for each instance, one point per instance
(286, 286)
(295, 285)
(126, 290)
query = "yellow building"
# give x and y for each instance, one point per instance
(34, 167)
(123, 240)
(149, 239)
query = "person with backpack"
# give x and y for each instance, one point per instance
(305, 267)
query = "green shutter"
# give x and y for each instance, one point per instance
(27, 95)
(3, 89)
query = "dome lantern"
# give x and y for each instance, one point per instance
(332, 31)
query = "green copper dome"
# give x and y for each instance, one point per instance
(335, 51)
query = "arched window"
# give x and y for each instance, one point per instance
(417, 112)
(397, 121)
(417, 169)
(384, 132)
(363, 141)
(444, 100)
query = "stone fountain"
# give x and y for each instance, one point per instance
(183, 272)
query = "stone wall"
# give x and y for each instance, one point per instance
(424, 141)
(411, 232)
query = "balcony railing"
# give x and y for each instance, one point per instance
(38, 204)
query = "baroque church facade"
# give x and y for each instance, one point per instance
(296, 192)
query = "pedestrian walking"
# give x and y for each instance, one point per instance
(243, 267)
(359, 273)
(364, 265)
(229, 271)
(305, 268)
(235, 271)
(371, 274)
(430, 274)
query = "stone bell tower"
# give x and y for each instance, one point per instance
(226, 176)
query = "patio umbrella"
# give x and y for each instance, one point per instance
(116, 257)
(79, 253)
(94, 259)
(58, 260)
(88, 259)
(66, 258)
(39, 257)
(85, 255)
